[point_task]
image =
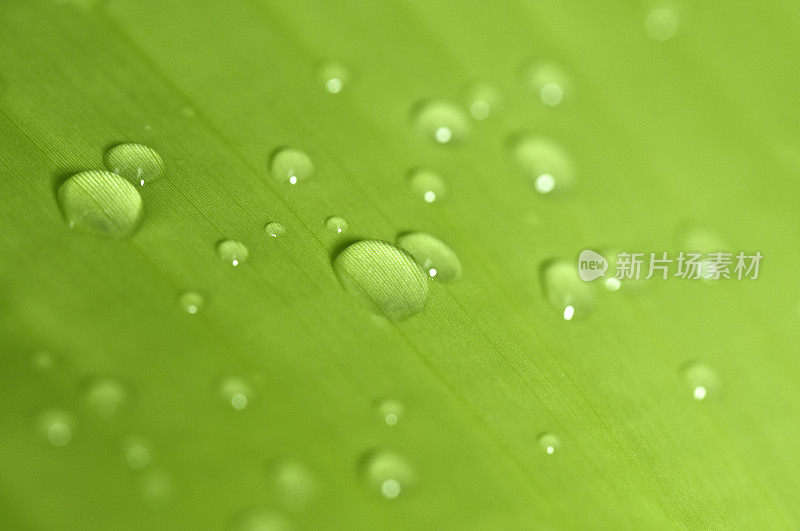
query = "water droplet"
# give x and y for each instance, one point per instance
(703, 380)
(259, 519)
(235, 391)
(549, 443)
(188, 112)
(661, 24)
(156, 488)
(106, 396)
(334, 77)
(43, 360)
(383, 277)
(548, 80)
(387, 473)
(275, 230)
(391, 411)
(427, 184)
(483, 100)
(101, 202)
(567, 293)
(434, 256)
(137, 453)
(291, 166)
(293, 482)
(336, 224)
(191, 302)
(441, 120)
(135, 162)
(232, 252)
(545, 162)
(57, 426)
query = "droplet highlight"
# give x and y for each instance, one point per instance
(390, 411)
(570, 296)
(441, 121)
(544, 162)
(334, 77)
(191, 302)
(102, 203)
(549, 443)
(427, 184)
(235, 391)
(232, 252)
(547, 80)
(703, 381)
(386, 473)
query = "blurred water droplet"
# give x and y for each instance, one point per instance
(441, 121)
(135, 162)
(156, 487)
(275, 230)
(188, 112)
(259, 519)
(384, 278)
(105, 396)
(336, 224)
(391, 411)
(293, 483)
(543, 161)
(101, 202)
(334, 77)
(434, 256)
(661, 24)
(549, 443)
(235, 391)
(232, 252)
(547, 80)
(291, 166)
(703, 381)
(42, 360)
(567, 293)
(191, 302)
(483, 100)
(56, 425)
(137, 453)
(427, 184)
(387, 473)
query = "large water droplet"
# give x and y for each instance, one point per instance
(57, 426)
(543, 161)
(105, 396)
(427, 184)
(101, 202)
(235, 391)
(336, 225)
(137, 163)
(383, 277)
(568, 294)
(334, 77)
(232, 252)
(434, 256)
(483, 100)
(275, 230)
(291, 166)
(549, 443)
(661, 24)
(191, 302)
(703, 381)
(547, 80)
(387, 473)
(390, 411)
(441, 121)
(293, 482)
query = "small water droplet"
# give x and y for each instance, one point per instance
(703, 381)
(482, 100)
(434, 256)
(105, 396)
(42, 360)
(137, 453)
(567, 293)
(661, 24)
(427, 184)
(57, 426)
(235, 391)
(293, 483)
(549, 443)
(543, 161)
(135, 162)
(101, 202)
(334, 77)
(191, 302)
(547, 80)
(291, 166)
(188, 112)
(259, 519)
(391, 411)
(387, 473)
(441, 121)
(232, 252)
(275, 230)
(384, 278)
(336, 224)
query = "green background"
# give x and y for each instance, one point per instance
(699, 131)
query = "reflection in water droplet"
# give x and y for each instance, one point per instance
(661, 24)
(57, 426)
(235, 391)
(105, 396)
(548, 80)
(232, 252)
(274, 229)
(336, 224)
(427, 184)
(390, 411)
(137, 453)
(291, 166)
(544, 162)
(702, 379)
(259, 519)
(101, 202)
(567, 293)
(387, 473)
(482, 100)
(334, 77)
(191, 302)
(434, 256)
(384, 278)
(440, 120)
(549, 443)
(135, 162)
(293, 483)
